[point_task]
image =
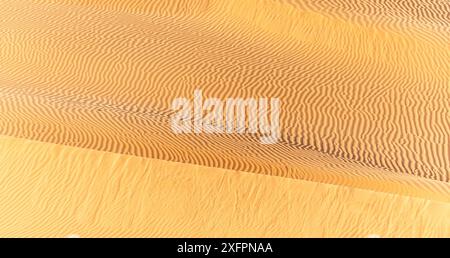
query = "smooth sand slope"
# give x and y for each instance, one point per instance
(102, 75)
(364, 87)
(86, 193)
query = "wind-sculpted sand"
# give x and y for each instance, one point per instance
(364, 90)
(86, 193)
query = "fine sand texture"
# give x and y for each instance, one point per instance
(86, 88)
(86, 193)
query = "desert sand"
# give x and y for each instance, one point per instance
(87, 193)
(85, 101)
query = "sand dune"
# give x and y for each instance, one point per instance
(364, 87)
(86, 193)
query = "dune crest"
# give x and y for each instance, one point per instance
(73, 192)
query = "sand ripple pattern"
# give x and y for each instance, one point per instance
(364, 84)
(87, 193)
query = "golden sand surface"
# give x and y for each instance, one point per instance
(78, 192)
(86, 88)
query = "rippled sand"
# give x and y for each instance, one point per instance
(87, 193)
(86, 88)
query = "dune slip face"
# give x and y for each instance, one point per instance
(363, 90)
